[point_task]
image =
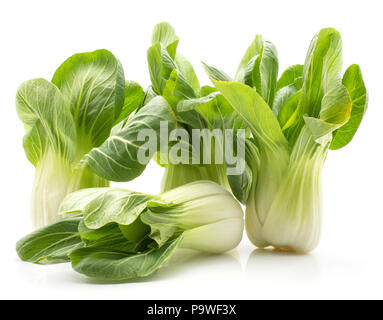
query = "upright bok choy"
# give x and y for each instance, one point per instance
(294, 121)
(195, 108)
(175, 100)
(173, 78)
(117, 234)
(67, 117)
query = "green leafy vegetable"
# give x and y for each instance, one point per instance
(292, 75)
(134, 98)
(89, 126)
(314, 109)
(117, 158)
(353, 81)
(176, 99)
(51, 244)
(120, 266)
(195, 107)
(259, 68)
(65, 119)
(121, 235)
(93, 85)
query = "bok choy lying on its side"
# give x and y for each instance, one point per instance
(116, 234)
(294, 122)
(66, 118)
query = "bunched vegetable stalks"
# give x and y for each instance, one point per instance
(65, 119)
(175, 97)
(195, 107)
(116, 234)
(294, 122)
(83, 130)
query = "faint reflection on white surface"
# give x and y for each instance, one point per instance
(276, 267)
(188, 262)
(42, 275)
(183, 263)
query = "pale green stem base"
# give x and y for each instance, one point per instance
(181, 174)
(54, 179)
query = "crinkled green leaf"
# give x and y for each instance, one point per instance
(93, 85)
(323, 64)
(192, 104)
(177, 89)
(134, 99)
(136, 231)
(165, 34)
(108, 236)
(336, 104)
(119, 266)
(154, 57)
(131, 238)
(42, 108)
(290, 76)
(259, 68)
(253, 50)
(102, 206)
(116, 159)
(252, 76)
(161, 67)
(168, 64)
(354, 83)
(207, 107)
(162, 226)
(187, 70)
(115, 205)
(335, 111)
(254, 111)
(216, 73)
(287, 110)
(75, 202)
(51, 244)
(214, 108)
(267, 72)
(282, 96)
(93, 235)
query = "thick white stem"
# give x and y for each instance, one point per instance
(54, 179)
(217, 237)
(292, 216)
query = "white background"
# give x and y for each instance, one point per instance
(37, 36)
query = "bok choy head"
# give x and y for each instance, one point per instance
(116, 234)
(294, 121)
(195, 108)
(67, 117)
(176, 99)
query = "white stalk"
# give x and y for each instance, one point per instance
(210, 215)
(293, 220)
(54, 179)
